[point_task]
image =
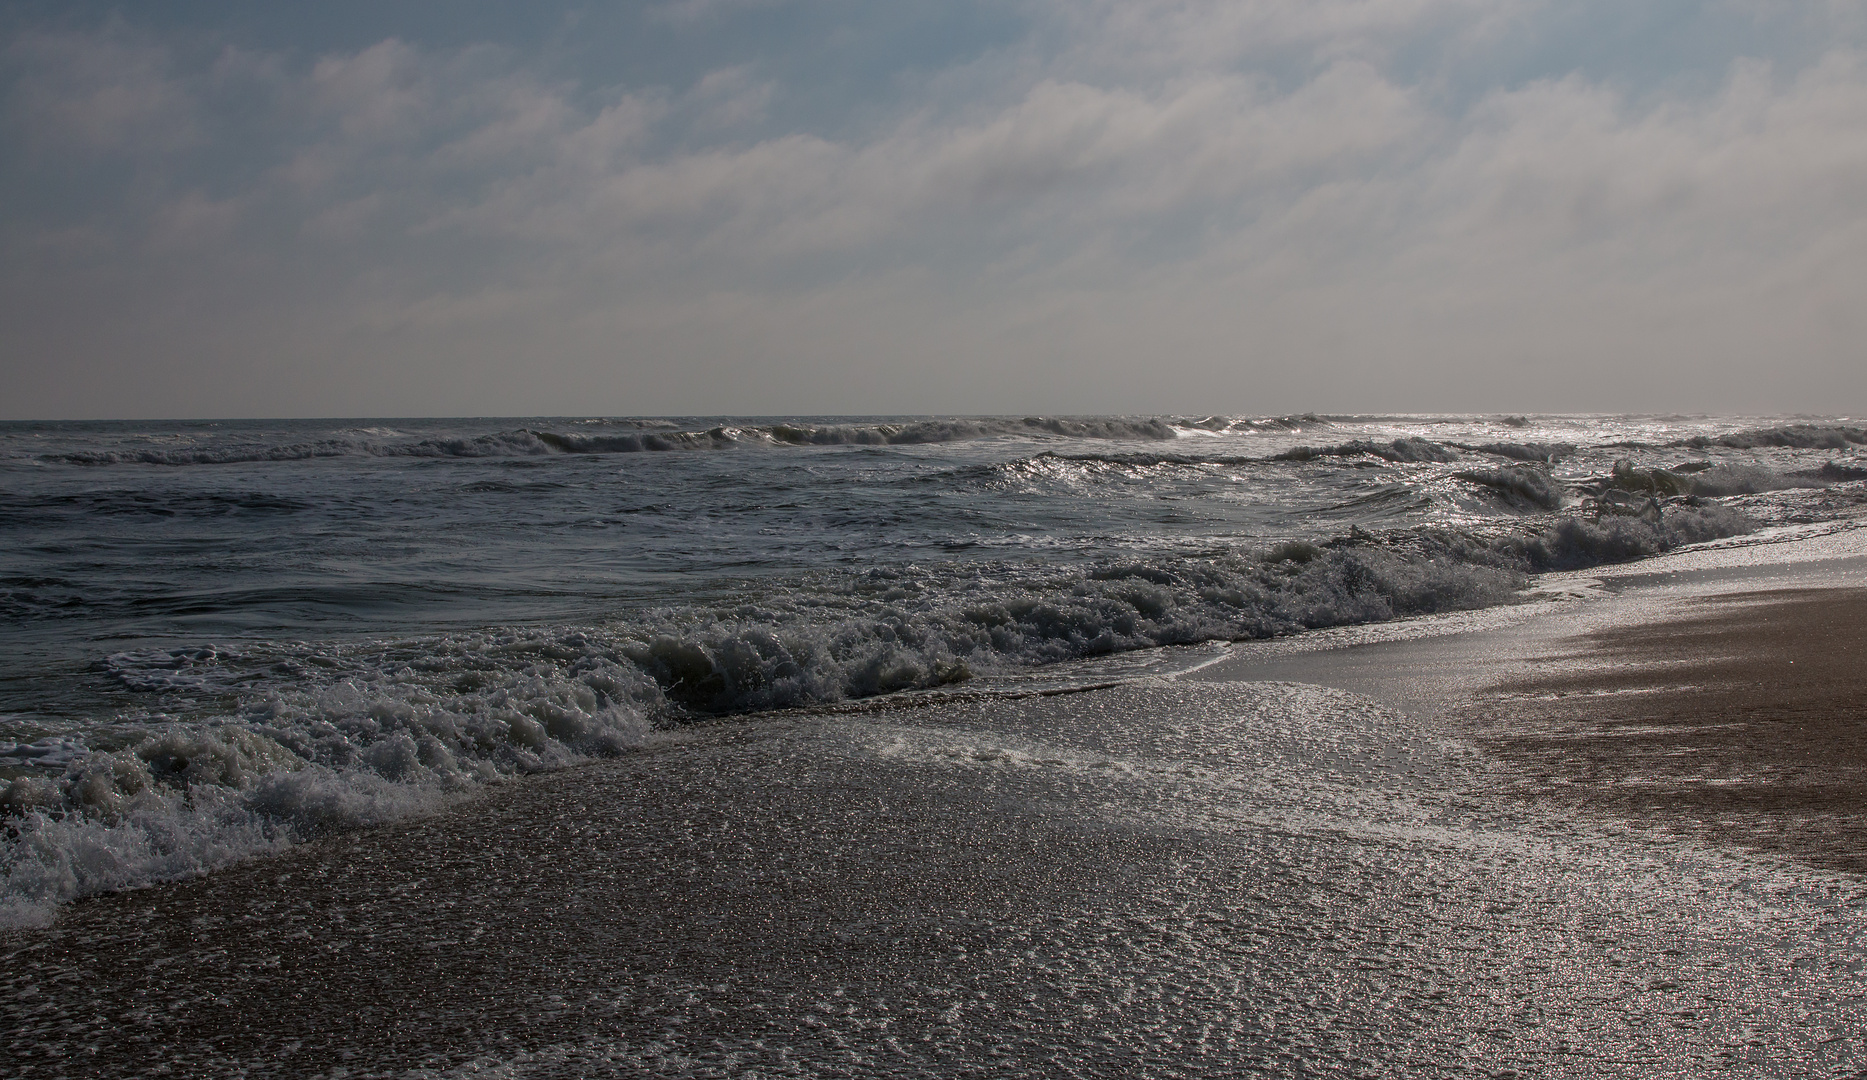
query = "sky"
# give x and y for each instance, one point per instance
(215, 208)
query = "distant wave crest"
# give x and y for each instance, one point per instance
(1520, 451)
(1399, 450)
(1796, 436)
(530, 442)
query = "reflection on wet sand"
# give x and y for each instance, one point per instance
(1173, 878)
(1742, 718)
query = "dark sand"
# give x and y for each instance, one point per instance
(680, 900)
(1742, 720)
(794, 898)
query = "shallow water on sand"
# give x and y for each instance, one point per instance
(1166, 878)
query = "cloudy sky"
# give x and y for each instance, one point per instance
(454, 207)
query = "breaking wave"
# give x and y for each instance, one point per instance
(1128, 533)
(1795, 436)
(1702, 478)
(335, 736)
(1399, 450)
(1548, 453)
(1835, 472)
(396, 734)
(636, 437)
(1233, 424)
(957, 430)
(1520, 486)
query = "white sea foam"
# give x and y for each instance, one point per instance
(54, 751)
(239, 747)
(57, 855)
(297, 760)
(334, 736)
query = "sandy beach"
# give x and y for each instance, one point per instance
(1743, 720)
(1724, 696)
(1624, 842)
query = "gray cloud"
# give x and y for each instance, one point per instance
(111, 92)
(1164, 206)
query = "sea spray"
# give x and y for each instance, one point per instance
(403, 727)
(321, 628)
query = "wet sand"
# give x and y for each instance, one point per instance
(1720, 695)
(1210, 876)
(1740, 718)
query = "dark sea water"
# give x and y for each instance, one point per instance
(217, 638)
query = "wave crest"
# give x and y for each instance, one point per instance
(1407, 450)
(640, 437)
(1794, 436)
(1548, 453)
(1519, 486)
(339, 735)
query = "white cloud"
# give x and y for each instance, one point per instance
(731, 97)
(1143, 38)
(385, 92)
(1766, 164)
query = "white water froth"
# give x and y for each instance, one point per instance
(190, 797)
(336, 736)
(254, 746)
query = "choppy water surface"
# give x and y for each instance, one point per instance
(220, 638)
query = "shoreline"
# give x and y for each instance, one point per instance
(1719, 692)
(1242, 869)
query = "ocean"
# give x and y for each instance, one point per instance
(235, 648)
